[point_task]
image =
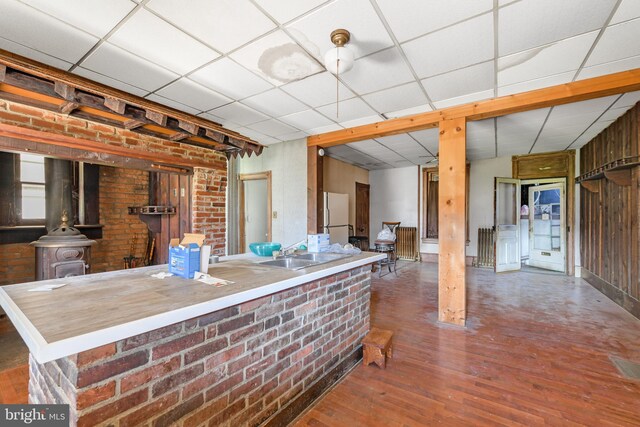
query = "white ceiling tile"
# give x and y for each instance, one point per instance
(231, 79)
(222, 24)
(368, 35)
(97, 17)
(577, 110)
(351, 109)
(173, 104)
(609, 68)
(362, 121)
(323, 129)
(519, 130)
(34, 54)
(100, 78)
(543, 61)
(530, 23)
(614, 43)
(110, 60)
(293, 136)
(260, 137)
(454, 47)
(275, 102)
(387, 66)
(428, 138)
(239, 113)
(478, 96)
(412, 18)
(613, 114)
(222, 121)
(150, 37)
(273, 128)
(191, 93)
(277, 58)
(33, 29)
(408, 111)
(627, 100)
(628, 9)
(536, 84)
(286, 10)
(476, 78)
(306, 120)
(402, 143)
(317, 90)
(396, 98)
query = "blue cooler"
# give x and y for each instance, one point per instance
(184, 261)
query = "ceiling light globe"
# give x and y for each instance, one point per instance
(346, 57)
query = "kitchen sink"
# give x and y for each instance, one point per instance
(320, 257)
(290, 263)
(300, 261)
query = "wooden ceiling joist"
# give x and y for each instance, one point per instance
(597, 87)
(26, 81)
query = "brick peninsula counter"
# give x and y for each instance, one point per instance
(124, 348)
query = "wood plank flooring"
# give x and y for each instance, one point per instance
(535, 352)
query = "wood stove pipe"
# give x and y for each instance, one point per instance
(58, 190)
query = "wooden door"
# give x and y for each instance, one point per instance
(547, 246)
(507, 224)
(362, 210)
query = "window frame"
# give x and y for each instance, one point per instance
(18, 183)
(426, 173)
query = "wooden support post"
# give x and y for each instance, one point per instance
(452, 222)
(314, 191)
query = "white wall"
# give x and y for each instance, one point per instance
(287, 162)
(393, 197)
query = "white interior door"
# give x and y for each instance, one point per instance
(507, 224)
(547, 246)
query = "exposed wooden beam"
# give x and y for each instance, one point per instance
(451, 219)
(68, 107)
(192, 128)
(314, 191)
(597, 87)
(115, 105)
(67, 92)
(179, 136)
(158, 118)
(25, 134)
(133, 124)
(43, 85)
(3, 72)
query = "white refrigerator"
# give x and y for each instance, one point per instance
(336, 217)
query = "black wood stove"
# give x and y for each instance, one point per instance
(63, 252)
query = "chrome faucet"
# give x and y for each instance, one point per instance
(288, 251)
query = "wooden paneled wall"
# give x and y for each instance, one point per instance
(609, 216)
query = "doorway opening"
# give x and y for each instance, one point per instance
(254, 194)
(530, 224)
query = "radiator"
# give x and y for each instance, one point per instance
(485, 248)
(407, 243)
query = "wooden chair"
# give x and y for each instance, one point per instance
(376, 347)
(388, 247)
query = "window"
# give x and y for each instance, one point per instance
(430, 192)
(31, 188)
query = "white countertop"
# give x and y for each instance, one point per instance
(101, 308)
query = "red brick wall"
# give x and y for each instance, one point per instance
(237, 366)
(208, 197)
(18, 263)
(119, 189)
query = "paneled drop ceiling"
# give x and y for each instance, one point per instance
(255, 65)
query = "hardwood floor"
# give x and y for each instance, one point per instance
(535, 352)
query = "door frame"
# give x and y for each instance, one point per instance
(518, 186)
(368, 210)
(241, 213)
(565, 234)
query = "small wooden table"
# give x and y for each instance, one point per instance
(377, 347)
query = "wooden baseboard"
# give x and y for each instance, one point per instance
(298, 405)
(624, 300)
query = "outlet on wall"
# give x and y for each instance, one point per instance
(275, 214)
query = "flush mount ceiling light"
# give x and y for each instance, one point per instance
(339, 59)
